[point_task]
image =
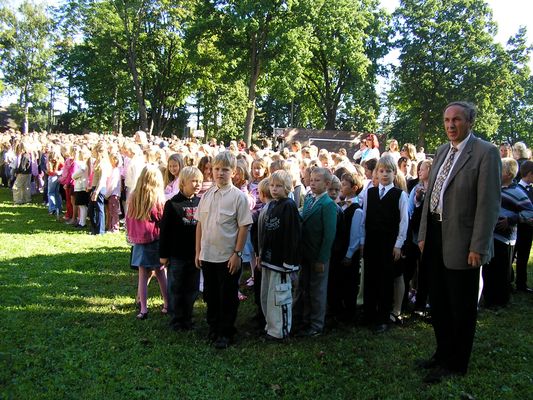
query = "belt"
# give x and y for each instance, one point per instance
(436, 217)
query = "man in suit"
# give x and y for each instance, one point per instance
(319, 220)
(456, 237)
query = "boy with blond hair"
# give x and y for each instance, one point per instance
(224, 218)
(385, 229)
(319, 217)
(279, 256)
(177, 248)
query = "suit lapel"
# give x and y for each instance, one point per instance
(315, 207)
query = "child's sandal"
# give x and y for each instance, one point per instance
(142, 315)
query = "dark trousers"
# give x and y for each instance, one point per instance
(453, 297)
(183, 280)
(221, 295)
(522, 249)
(378, 278)
(97, 215)
(497, 276)
(343, 286)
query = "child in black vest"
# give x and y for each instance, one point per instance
(385, 229)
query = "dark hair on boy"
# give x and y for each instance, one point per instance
(353, 179)
(526, 168)
(371, 164)
(339, 172)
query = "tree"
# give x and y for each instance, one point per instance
(25, 52)
(517, 115)
(447, 52)
(349, 36)
(256, 37)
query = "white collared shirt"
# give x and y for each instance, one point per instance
(459, 148)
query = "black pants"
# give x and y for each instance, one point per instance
(522, 249)
(453, 296)
(183, 280)
(343, 286)
(221, 295)
(497, 276)
(378, 278)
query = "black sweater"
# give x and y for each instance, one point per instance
(178, 228)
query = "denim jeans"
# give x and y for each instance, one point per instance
(97, 215)
(183, 280)
(54, 198)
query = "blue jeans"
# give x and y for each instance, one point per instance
(96, 213)
(183, 280)
(54, 198)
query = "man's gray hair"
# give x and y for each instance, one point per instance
(469, 109)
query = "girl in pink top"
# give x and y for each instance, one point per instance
(145, 209)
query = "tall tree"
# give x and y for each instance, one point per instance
(447, 52)
(25, 52)
(255, 37)
(349, 36)
(517, 115)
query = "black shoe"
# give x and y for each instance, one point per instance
(438, 374)
(381, 328)
(222, 343)
(271, 339)
(309, 333)
(396, 319)
(429, 363)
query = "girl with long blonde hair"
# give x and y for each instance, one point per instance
(144, 212)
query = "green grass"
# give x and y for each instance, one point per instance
(68, 331)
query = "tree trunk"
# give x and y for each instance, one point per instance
(132, 63)
(422, 129)
(25, 124)
(331, 118)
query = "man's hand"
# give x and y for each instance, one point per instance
(346, 262)
(163, 261)
(396, 253)
(234, 263)
(421, 245)
(474, 259)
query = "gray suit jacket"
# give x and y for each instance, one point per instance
(471, 202)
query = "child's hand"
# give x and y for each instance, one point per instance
(234, 263)
(258, 263)
(197, 262)
(346, 262)
(396, 253)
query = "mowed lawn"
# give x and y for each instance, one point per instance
(68, 331)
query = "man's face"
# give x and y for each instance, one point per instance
(456, 125)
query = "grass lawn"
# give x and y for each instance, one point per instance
(68, 331)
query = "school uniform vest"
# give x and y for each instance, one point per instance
(383, 215)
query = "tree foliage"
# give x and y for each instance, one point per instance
(25, 53)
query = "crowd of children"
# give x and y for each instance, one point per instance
(320, 233)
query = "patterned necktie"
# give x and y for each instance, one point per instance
(444, 171)
(382, 192)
